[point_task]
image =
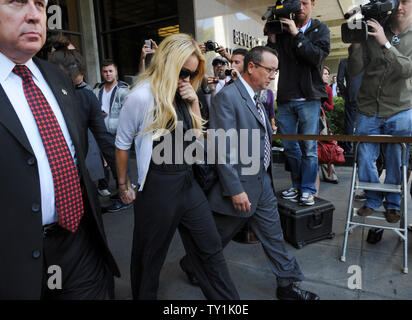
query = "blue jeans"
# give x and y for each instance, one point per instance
(397, 125)
(301, 117)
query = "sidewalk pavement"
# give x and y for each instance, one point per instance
(326, 275)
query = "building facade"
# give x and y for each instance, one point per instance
(117, 29)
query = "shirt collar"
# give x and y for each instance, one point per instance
(249, 89)
(306, 26)
(6, 67)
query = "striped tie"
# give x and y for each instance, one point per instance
(266, 160)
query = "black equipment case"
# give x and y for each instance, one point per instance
(302, 225)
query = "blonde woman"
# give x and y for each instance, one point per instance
(168, 196)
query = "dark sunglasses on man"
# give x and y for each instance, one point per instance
(184, 73)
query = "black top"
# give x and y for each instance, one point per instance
(183, 118)
(300, 63)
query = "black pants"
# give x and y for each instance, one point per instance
(265, 224)
(172, 199)
(84, 272)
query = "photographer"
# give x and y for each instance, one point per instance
(236, 62)
(212, 85)
(220, 65)
(384, 101)
(302, 49)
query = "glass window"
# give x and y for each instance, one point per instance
(124, 47)
(70, 14)
(123, 25)
(70, 25)
(123, 13)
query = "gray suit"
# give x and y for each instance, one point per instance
(233, 108)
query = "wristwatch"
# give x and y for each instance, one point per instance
(387, 45)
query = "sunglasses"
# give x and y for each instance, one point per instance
(184, 73)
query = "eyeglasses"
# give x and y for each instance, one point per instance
(272, 72)
(395, 40)
(184, 73)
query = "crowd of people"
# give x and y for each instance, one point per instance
(62, 141)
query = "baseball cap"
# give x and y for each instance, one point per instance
(219, 60)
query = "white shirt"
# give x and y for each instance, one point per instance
(13, 86)
(221, 84)
(252, 94)
(106, 104)
(249, 89)
(334, 87)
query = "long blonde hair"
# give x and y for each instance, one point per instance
(163, 75)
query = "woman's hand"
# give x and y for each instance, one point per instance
(126, 192)
(187, 93)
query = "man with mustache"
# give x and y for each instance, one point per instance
(52, 241)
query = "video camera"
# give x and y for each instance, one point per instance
(357, 30)
(282, 9)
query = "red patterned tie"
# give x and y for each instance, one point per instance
(67, 191)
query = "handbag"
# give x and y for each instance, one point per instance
(329, 152)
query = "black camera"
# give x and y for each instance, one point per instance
(211, 46)
(228, 72)
(282, 9)
(357, 30)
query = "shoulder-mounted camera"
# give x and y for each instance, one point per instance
(357, 30)
(282, 9)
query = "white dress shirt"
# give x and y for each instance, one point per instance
(13, 86)
(249, 89)
(252, 94)
(221, 84)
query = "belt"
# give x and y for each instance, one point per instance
(51, 229)
(170, 167)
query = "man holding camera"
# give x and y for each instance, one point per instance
(384, 101)
(302, 47)
(220, 65)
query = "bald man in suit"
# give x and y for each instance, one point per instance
(52, 241)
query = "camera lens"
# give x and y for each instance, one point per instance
(211, 46)
(228, 72)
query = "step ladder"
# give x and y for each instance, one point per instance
(401, 230)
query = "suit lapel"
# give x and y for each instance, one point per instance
(249, 102)
(9, 119)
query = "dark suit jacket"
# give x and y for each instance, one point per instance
(233, 108)
(21, 237)
(349, 89)
(92, 118)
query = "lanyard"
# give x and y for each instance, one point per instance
(306, 27)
